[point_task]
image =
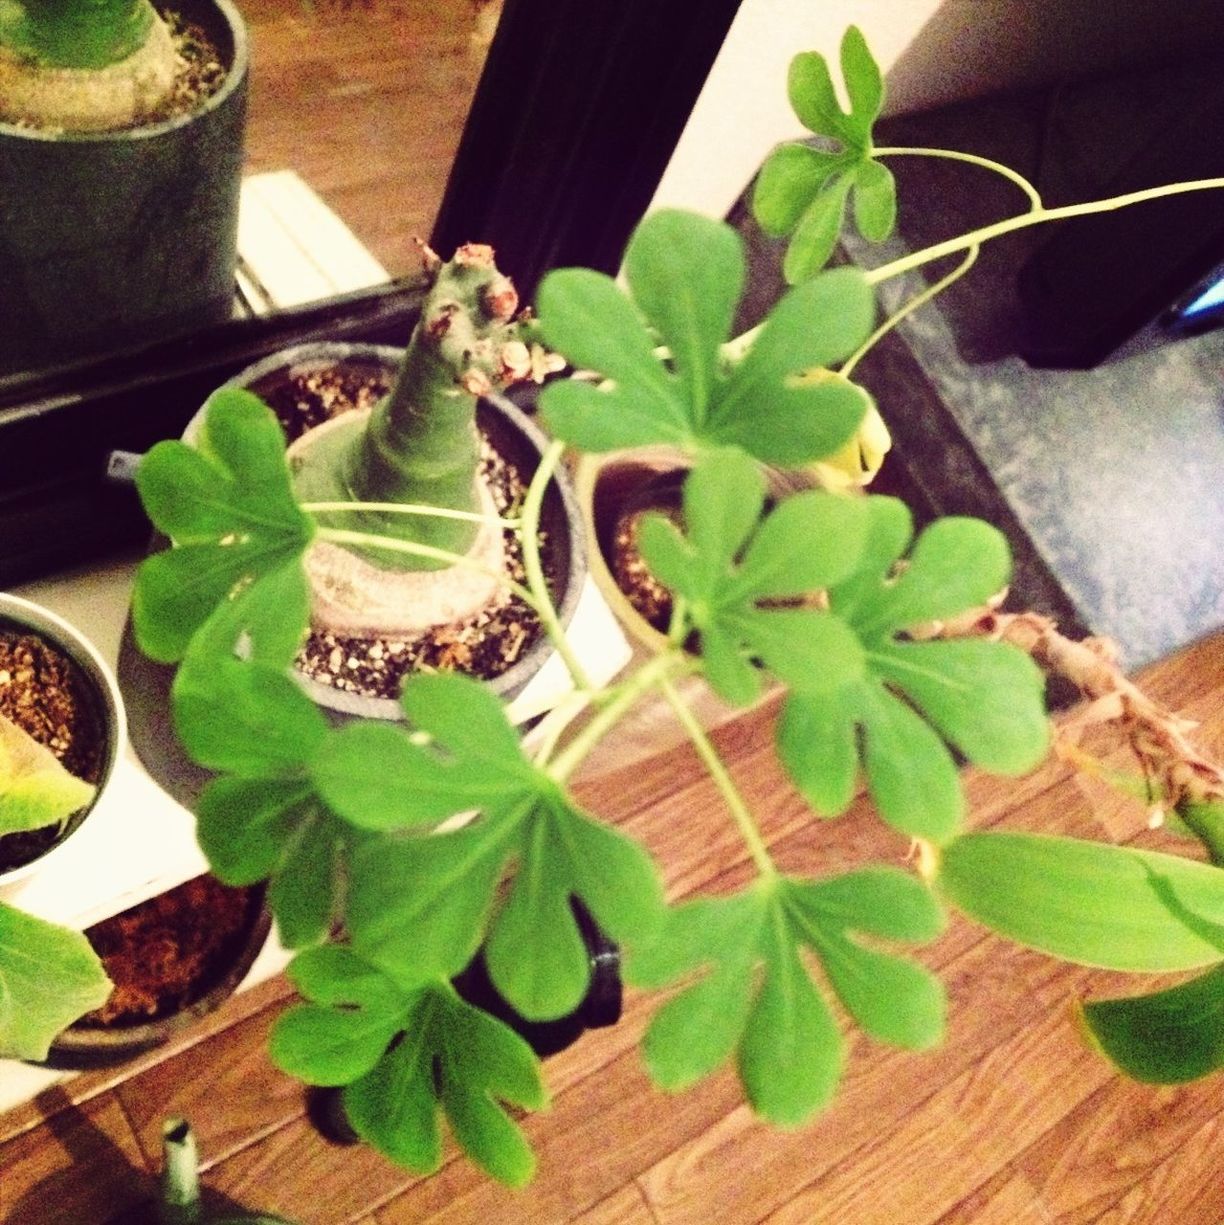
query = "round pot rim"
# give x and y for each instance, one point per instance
(101, 676)
(235, 74)
(522, 670)
(82, 1046)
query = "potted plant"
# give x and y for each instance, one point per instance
(61, 733)
(120, 163)
(397, 852)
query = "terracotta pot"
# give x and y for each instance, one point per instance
(98, 683)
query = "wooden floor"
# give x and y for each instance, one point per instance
(1012, 1120)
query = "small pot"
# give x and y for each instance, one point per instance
(514, 436)
(99, 689)
(121, 238)
(91, 1045)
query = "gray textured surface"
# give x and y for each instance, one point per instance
(1116, 473)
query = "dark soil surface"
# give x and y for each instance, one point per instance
(48, 696)
(170, 951)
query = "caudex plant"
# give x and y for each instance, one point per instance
(889, 653)
(83, 65)
(49, 975)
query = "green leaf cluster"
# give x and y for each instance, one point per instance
(803, 190)
(685, 274)
(911, 699)
(409, 1049)
(754, 996)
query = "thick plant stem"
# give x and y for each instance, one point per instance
(75, 34)
(419, 445)
(411, 549)
(1038, 216)
(722, 780)
(530, 537)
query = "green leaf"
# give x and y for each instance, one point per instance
(985, 697)
(1098, 905)
(818, 746)
(1166, 1038)
(461, 1057)
(49, 976)
(875, 201)
(755, 998)
(331, 1046)
(303, 895)
(816, 235)
(955, 565)
(910, 773)
(791, 175)
(687, 273)
(722, 497)
(244, 825)
(230, 510)
(790, 1058)
(35, 789)
(808, 197)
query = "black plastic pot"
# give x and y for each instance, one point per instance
(84, 1045)
(117, 238)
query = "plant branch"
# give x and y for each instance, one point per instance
(908, 309)
(1175, 771)
(722, 779)
(1036, 217)
(397, 508)
(541, 597)
(972, 159)
(619, 699)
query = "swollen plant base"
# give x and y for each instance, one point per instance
(95, 100)
(356, 597)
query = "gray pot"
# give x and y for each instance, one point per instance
(115, 239)
(516, 437)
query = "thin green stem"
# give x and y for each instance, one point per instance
(620, 698)
(908, 309)
(366, 540)
(1037, 217)
(534, 570)
(973, 159)
(677, 629)
(722, 779)
(399, 508)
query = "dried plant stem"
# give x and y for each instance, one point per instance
(1181, 776)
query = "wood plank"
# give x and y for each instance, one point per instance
(83, 1165)
(1006, 1199)
(226, 1087)
(86, 1085)
(627, 1207)
(1185, 1187)
(1113, 1142)
(295, 1173)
